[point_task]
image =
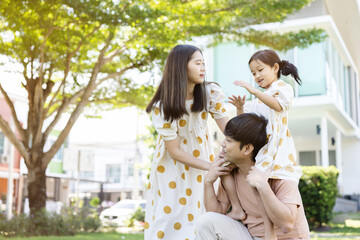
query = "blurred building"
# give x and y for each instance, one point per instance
(325, 117)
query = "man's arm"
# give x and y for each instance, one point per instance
(283, 215)
(212, 204)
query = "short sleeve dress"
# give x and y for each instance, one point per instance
(279, 153)
(175, 191)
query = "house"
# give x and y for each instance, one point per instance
(325, 116)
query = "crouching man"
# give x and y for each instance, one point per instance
(245, 136)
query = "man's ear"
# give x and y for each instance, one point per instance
(248, 149)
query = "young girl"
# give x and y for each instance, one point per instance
(179, 111)
(279, 153)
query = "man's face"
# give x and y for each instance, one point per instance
(231, 150)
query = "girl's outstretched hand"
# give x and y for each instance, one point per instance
(237, 101)
(246, 85)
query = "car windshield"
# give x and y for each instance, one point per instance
(124, 205)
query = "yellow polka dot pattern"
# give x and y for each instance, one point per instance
(203, 115)
(182, 201)
(284, 120)
(159, 193)
(186, 167)
(277, 167)
(182, 123)
(289, 169)
(157, 111)
(264, 164)
(200, 141)
(188, 192)
(282, 84)
(161, 169)
(185, 141)
(160, 234)
(199, 178)
(166, 125)
(288, 133)
(183, 176)
(198, 204)
(291, 158)
(177, 226)
(196, 153)
(280, 141)
(212, 157)
(172, 185)
(167, 209)
(146, 225)
(218, 106)
(190, 217)
(149, 185)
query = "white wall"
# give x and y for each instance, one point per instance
(351, 166)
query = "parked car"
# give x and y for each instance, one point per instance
(120, 212)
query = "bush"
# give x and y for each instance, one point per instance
(318, 188)
(44, 223)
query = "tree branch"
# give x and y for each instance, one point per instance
(79, 108)
(13, 113)
(5, 128)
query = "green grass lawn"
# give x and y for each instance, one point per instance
(89, 236)
(344, 226)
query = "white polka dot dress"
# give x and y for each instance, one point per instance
(279, 153)
(175, 191)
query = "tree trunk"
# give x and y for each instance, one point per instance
(36, 188)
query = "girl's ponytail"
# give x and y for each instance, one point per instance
(288, 68)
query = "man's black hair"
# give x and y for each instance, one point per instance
(248, 128)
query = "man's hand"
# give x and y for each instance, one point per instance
(246, 85)
(216, 170)
(256, 178)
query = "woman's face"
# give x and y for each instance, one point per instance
(196, 69)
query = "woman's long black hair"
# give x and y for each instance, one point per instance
(172, 91)
(270, 57)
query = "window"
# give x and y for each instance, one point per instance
(113, 173)
(131, 169)
(311, 66)
(231, 64)
(2, 142)
(307, 158)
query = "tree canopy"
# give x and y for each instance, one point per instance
(77, 54)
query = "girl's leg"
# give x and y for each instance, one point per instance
(237, 212)
(269, 226)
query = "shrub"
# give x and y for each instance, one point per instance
(318, 188)
(95, 202)
(43, 223)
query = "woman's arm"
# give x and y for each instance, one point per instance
(176, 153)
(221, 122)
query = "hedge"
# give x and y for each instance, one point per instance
(318, 189)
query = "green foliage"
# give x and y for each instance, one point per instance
(318, 188)
(94, 202)
(138, 215)
(86, 55)
(43, 223)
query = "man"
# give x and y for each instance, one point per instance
(245, 136)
